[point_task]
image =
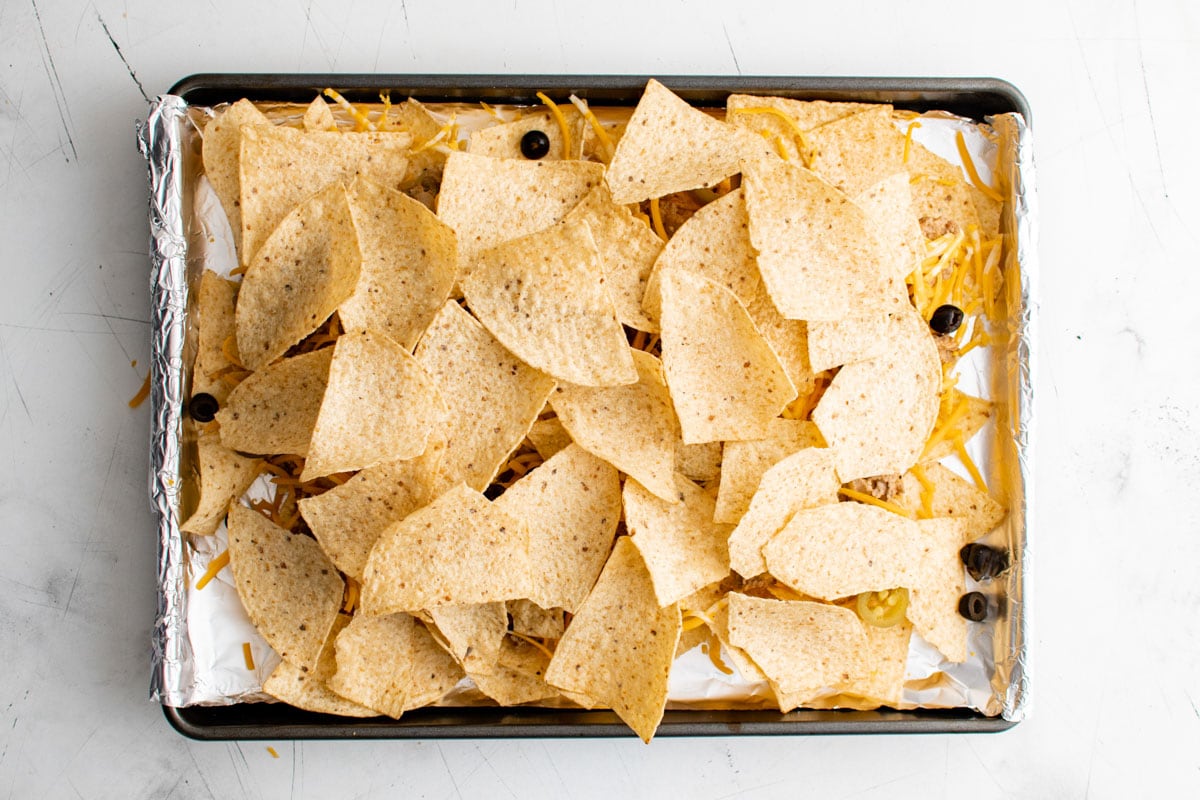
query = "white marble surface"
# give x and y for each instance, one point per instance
(1117, 636)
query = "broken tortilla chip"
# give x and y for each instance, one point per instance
(543, 297)
(221, 151)
(409, 264)
(380, 406)
(699, 462)
(744, 463)
(804, 479)
(473, 633)
(856, 152)
(725, 380)
(519, 676)
(548, 436)
(969, 422)
(632, 427)
(888, 204)
(274, 410)
(878, 414)
(216, 303)
(460, 548)
(297, 279)
(570, 506)
(292, 685)
(620, 646)
(668, 146)
(290, 590)
(953, 497)
(833, 343)
(374, 662)
(530, 619)
(492, 396)
(783, 121)
(504, 139)
(934, 595)
(488, 201)
(224, 476)
(683, 549)
(318, 117)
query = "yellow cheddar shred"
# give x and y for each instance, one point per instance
(385, 122)
(248, 656)
(713, 651)
(656, 219)
(972, 173)
(142, 393)
(863, 497)
(926, 511)
(561, 120)
(361, 121)
(908, 138)
(530, 640)
(274, 754)
(216, 565)
(802, 146)
(960, 448)
(606, 141)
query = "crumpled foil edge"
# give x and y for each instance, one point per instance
(160, 141)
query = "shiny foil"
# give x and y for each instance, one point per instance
(198, 635)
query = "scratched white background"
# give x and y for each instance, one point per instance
(1112, 84)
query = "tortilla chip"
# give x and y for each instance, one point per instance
(292, 685)
(409, 264)
(503, 140)
(820, 257)
(633, 427)
(543, 297)
(886, 663)
(832, 343)
(380, 406)
(845, 549)
(348, 519)
(489, 201)
(956, 498)
(856, 152)
(628, 250)
(224, 476)
(725, 380)
(743, 112)
(668, 146)
(934, 595)
(719, 616)
(548, 436)
(318, 117)
(473, 632)
(802, 647)
(458, 549)
(274, 410)
(691, 638)
(281, 167)
(374, 662)
(530, 619)
(804, 479)
(878, 414)
(888, 204)
(299, 276)
(290, 590)
(216, 303)
(519, 677)
(221, 150)
(492, 397)
(699, 462)
(683, 549)
(744, 463)
(939, 193)
(570, 505)
(620, 646)
(970, 423)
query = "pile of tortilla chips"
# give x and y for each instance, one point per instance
(537, 427)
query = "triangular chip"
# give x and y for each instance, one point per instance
(802, 647)
(832, 343)
(628, 250)
(224, 476)
(488, 201)
(543, 297)
(348, 519)
(877, 414)
(620, 646)
(888, 204)
(280, 167)
(548, 436)
(374, 662)
(856, 152)
(217, 336)
(632, 427)
(668, 146)
(519, 676)
(804, 479)
(434, 671)
(744, 463)
(292, 685)
(492, 397)
(845, 549)
(458, 549)
(473, 632)
(299, 276)
(951, 496)
(726, 381)
(380, 406)
(275, 409)
(290, 589)
(934, 595)
(530, 619)
(684, 550)
(221, 150)
(409, 264)
(318, 117)
(570, 505)
(777, 120)
(967, 422)
(819, 255)
(503, 140)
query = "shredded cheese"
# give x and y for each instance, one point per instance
(714, 654)
(960, 448)
(361, 121)
(908, 138)
(606, 141)
(216, 565)
(529, 640)
(561, 120)
(863, 497)
(801, 142)
(142, 393)
(941, 430)
(656, 219)
(271, 750)
(248, 656)
(926, 491)
(385, 122)
(969, 166)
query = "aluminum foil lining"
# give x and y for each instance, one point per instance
(198, 635)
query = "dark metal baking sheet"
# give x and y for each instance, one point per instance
(969, 97)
